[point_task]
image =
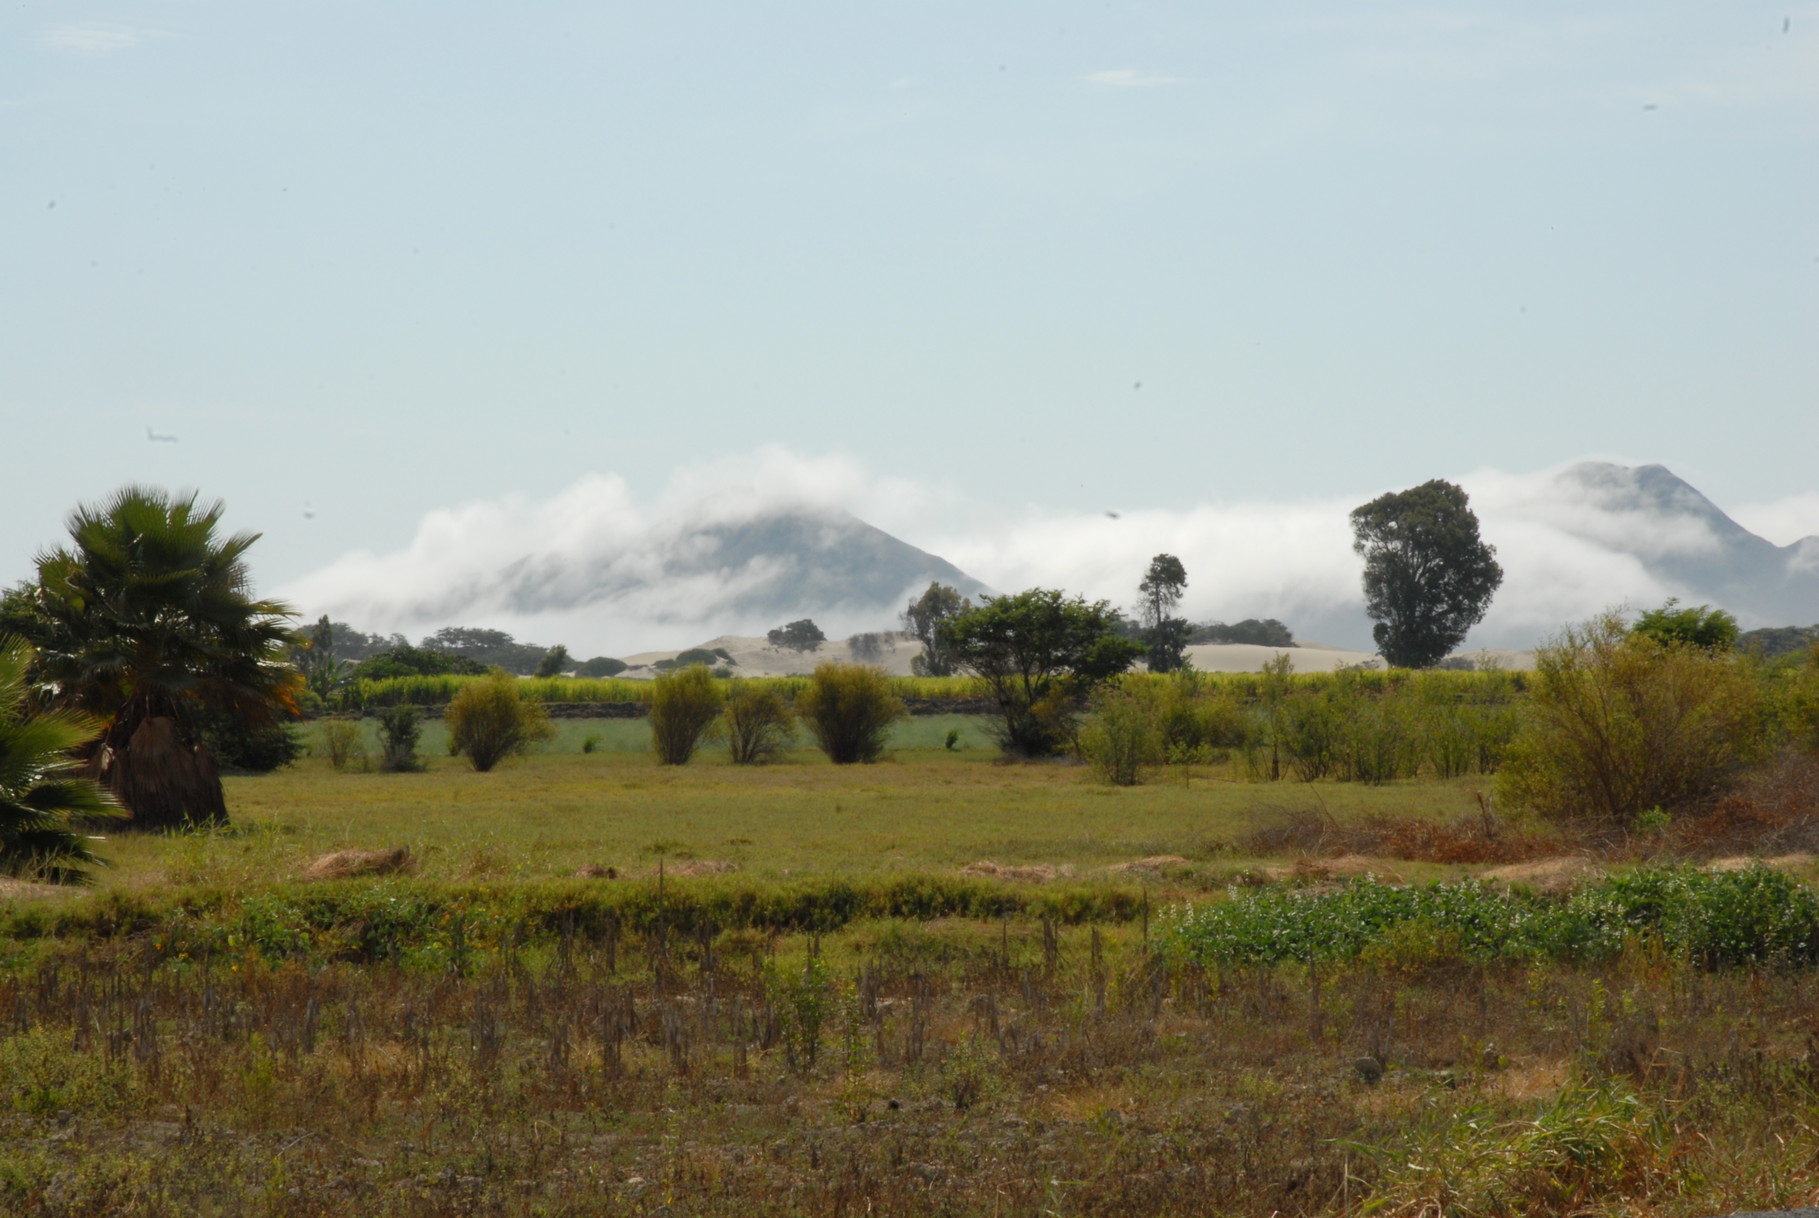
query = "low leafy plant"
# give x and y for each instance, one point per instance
(759, 722)
(400, 728)
(1123, 735)
(491, 720)
(685, 709)
(850, 708)
(341, 741)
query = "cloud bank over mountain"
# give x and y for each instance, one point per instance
(743, 544)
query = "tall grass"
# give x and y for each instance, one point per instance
(440, 690)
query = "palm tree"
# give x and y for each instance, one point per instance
(145, 622)
(43, 798)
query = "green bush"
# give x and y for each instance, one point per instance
(759, 722)
(341, 741)
(491, 720)
(554, 663)
(1124, 733)
(601, 666)
(685, 707)
(1617, 724)
(1751, 918)
(400, 727)
(240, 746)
(850, 708)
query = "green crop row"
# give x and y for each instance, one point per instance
(421, 922)
(1755, 917)
(440, 690)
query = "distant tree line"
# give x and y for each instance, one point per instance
(333, 652)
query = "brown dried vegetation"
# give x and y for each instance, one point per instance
(971, 1069)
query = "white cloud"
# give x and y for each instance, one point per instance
(1782, 521)
(1570, 547)
(95, 37)
(1128, 78)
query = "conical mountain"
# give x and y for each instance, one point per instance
(773, 565)
(1687, 541)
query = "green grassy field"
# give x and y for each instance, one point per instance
(924, 809)
(847, 1025)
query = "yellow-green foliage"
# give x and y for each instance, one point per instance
(440, 690)
(1796, 695)
(491, 719)
(684, 708)
(760, 722)
(1353, 726)
(849, 708)
(1124, 733)
(1618, 725)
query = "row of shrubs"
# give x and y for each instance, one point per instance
(438, 924)
(1614, 727)
(1353, 726)
(848, 709)
(440, 690)
(1755, 917)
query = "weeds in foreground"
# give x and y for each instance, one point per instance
(898, 1069)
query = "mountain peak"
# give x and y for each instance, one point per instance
(1683, 537)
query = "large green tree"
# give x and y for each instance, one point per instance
(1164, 634)
(147, 621)
(1040, 652)
(44, 802)
(924, 619)
(1428, 576)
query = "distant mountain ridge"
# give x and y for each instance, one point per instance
(1693, 545)
(789, 562)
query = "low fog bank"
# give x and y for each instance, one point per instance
(615, 576)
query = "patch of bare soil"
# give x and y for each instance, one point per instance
(11, 889)
(345, 863)
(594, 871)
(1029, 873)
(1743, 862)
(1483, 838)
(1154, 865)
(691, 868)
(1546, 875)
(1345, 867)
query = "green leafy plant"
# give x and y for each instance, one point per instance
(1428, 576)
(400, 728)
(146, 621)
(684, 710)
(491, 720)
(1040, 653)
(342, 741)
(44, 800)
(849, 708)
(1124, 734)
(1617, 724)
(759, 722)
(555, 662)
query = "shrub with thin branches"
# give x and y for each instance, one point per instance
(1124, 733)
(1619, 724)
(491, 720)
(850, 709)
(341, 741)
(759, 722)
(685, 708)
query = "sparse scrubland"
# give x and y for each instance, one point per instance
(1405, 943)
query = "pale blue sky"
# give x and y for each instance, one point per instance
(376, 259)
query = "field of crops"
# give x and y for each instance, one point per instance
(940, 984)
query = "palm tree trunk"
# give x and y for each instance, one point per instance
(163, 781)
